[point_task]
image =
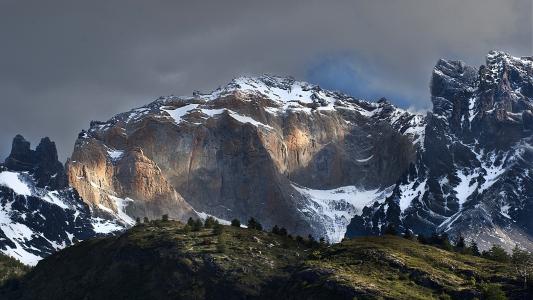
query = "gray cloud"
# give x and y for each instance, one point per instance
(63, 63)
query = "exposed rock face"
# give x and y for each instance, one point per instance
(472, 175)
(39, 213)
(42, 162)
(258, 147)
(291, 154)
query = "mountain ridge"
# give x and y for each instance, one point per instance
(292, 154)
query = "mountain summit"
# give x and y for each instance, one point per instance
(472, 177)
(292, 154)
(285, 152)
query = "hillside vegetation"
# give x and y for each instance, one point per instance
(170, 260)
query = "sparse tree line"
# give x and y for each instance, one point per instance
(520, 259)
(193, 225)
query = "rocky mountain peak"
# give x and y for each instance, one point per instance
(21, 157)
(42, 163)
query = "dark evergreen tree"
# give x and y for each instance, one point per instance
(497, 253)
(235, 223)
(422, 239)
(210, 222)
(218, 228)
(275, 229)
(164, 217)
(254, 224)
(197, 226)
(390, 229)
(190, 222)
(460, 245)
(474, 249)
(282, 231)
(408, 234)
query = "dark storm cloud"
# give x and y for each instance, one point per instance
(63, 63)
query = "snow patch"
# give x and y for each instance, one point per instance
(12, 180)
(115, 154)
(105, 226)
(178, 113)
(464, 189)
(337, 207)
(53, 197)
(204, 216)
(365, 159)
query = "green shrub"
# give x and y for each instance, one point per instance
(218, 229)
(235, 223)
(210, 222)
(444, 296)
(254, 224)
(492, 292)
(197, 225)
(221, 245)
(497, 253)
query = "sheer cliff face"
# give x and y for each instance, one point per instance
(39, 213)
(258, 147)
(472, 175)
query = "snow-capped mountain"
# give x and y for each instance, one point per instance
(472, 177)
(291, 154)
(39, 212)
(283, 151)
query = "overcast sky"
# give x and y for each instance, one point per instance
(64, 63)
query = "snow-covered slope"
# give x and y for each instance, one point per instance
(472, 177)
(36, 220)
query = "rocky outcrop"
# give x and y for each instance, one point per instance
(247, 150)
(42, 162)
(39, 213)
(472, 175)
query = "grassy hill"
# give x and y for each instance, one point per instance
(165, 260)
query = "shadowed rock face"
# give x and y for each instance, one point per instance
(240, 151)
(472, 176)
(42, 162)
(40, 213)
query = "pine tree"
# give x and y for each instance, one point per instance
(138, 220)
(283, 231)
(145, 220)
(497, 253)
(197, 226)
(474, 249)
(390, 230)
(235, 223)
(408, 234)
(210, 222)
(275, 229)
(422, 239)
(190, 222)
(164, 217)
(460, 245)
(218, 228)
(253, 224)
